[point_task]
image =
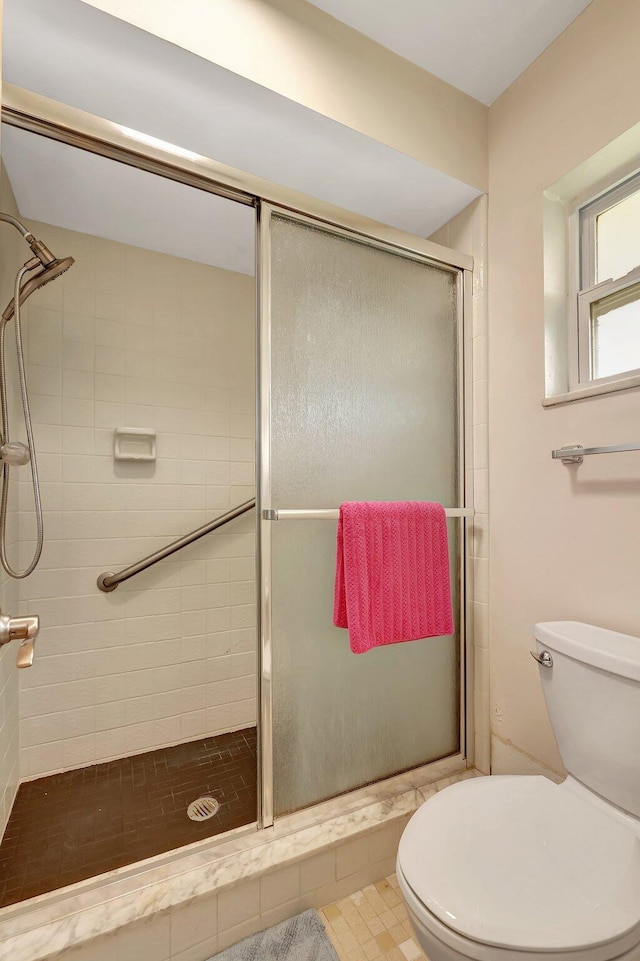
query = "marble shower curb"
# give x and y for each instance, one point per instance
(51, 925)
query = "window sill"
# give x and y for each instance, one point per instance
(594, 390)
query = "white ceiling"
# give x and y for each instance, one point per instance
(73, 53)
(58, 184)
(479, 46)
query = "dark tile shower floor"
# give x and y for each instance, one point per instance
(68, 827)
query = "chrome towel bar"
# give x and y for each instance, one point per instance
(332, 514)
(574, 453)
(108, 581)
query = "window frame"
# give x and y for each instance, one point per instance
(589, 292)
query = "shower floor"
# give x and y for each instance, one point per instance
(72, 826)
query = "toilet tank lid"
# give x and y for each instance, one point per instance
(607, 650)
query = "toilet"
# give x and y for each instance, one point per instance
(517, 868)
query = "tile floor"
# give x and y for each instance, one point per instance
(372, 925)
(74, 825)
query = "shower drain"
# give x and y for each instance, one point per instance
(203, 808)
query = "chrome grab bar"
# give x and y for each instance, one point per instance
(544, 659)
(108, 581)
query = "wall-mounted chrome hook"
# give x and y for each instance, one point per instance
(23, 629)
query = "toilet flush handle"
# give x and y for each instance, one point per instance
(544, 659)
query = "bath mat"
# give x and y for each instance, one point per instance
(302, 938)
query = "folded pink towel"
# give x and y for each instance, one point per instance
(392, 573)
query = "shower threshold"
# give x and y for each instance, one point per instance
(69, 827)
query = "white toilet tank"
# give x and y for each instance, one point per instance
(593, 698)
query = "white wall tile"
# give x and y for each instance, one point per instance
(481, 579)
(481, 624)
(481, 490)
(352, 857)
(230, 716)
(76, 412)
(482, 758)
(77, 355)
(481, 662)
(317, 871)
(193, 924)
(480, 402)
(480, 357)
(279, 887)
(238, 904)
(49, 379)
(282, 912)
(383, 844)
(44, 321)
(78, 751)
(78, 327)
(45, 351)
(240, 931)
(480, 446)
(104, 351)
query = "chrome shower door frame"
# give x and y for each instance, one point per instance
(421, 251)
(41, 115)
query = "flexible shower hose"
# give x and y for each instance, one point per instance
(6, 468)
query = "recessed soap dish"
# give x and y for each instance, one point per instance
(134, 443)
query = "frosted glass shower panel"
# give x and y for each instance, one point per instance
(364, 395)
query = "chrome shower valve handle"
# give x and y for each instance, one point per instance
(23, 629)
(15, 453)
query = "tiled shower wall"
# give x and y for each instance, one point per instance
(132, 338)
(13, 253)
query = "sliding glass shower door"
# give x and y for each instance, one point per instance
(360, 401)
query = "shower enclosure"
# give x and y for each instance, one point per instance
(360, 396)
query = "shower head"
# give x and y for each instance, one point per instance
(51, 266)
(54, 269)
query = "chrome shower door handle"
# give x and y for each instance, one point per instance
(23, 629)
(544, 659)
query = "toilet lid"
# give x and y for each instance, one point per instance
(519, 862)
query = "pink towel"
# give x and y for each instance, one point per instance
(392, 573)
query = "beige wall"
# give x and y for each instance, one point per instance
(133, 338)
(302, 53)
(564, 542)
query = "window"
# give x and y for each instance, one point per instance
(609, 285)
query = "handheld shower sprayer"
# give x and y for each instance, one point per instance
(12, 454)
